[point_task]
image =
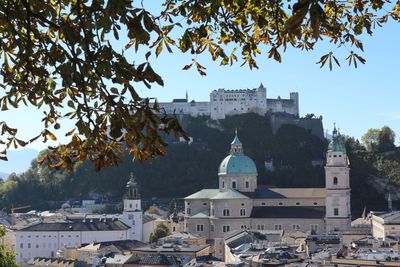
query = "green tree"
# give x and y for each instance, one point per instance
(160, 231)
(387, 139)
(58, 56)
(7, 258)
(379, 140)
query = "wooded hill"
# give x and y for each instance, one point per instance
(191, 167)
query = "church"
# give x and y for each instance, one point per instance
(240, 203)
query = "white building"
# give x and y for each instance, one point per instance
(45, 239)
(240, 203)
(132, 214)
(231, 102)
(386, 224)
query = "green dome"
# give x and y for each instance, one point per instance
(237, 164)
(132, 182)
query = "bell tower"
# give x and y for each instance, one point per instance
(337, 183)
(132, 214)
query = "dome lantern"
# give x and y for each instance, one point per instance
(236, 145)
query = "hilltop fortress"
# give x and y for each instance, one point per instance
(232, 102)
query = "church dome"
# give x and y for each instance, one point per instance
(237, 164)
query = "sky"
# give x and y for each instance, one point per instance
(356, 99)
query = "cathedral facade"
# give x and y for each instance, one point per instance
(240, 203)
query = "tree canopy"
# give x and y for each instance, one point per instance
(379, 140)
(7, 258)
(58, 56)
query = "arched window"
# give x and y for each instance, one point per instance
(335, 181)
(247, 184)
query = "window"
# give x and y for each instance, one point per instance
(130, 205)
(260, 227)
(226, 228)
(335, 180)
(296, 227)
(223, 184)
(314, 228)
(188, 211)
(280, 203)
(204, 204)
(133, 222)
(225, 212)
(130, 216)
(297, 203)
(247, 184)
(336, 211)
(278, 226)
(233, 184)
(21, 245)
(212, 227)
(29, 245)
(242, 212)
(200, 228)
(243, 227)
(263, 204)
(37, 245)
(315, 203)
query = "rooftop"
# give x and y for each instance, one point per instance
(77, 225)
(217, 194)
(262, 192)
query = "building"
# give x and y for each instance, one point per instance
(386, 225)
(240, 203)
(46, 238)
(231, 102)
(132, 214)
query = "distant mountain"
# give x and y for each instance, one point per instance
(4, 175)
(18, 161)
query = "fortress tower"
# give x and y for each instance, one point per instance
(338, 213)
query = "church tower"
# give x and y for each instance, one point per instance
(132, 214)
(337, 182)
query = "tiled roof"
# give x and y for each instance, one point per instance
(78, 225)
(217, 194)
(147, 218)
(288, 193)
(288, 212)
(159, 259)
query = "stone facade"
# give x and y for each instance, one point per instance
(239, 203)
(232, 102)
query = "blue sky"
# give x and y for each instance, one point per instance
(357, 99)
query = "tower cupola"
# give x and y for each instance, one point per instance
(132, 188)
(236, 145)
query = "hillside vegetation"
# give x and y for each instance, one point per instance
(188, 168)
